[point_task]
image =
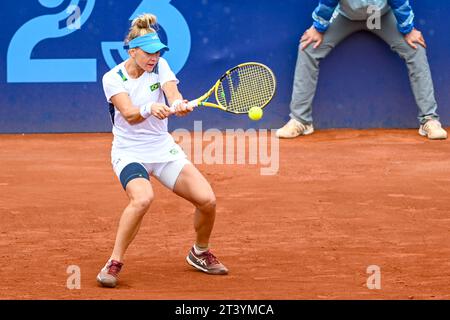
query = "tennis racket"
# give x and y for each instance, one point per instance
(245, 86)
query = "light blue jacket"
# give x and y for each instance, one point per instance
(358, 10)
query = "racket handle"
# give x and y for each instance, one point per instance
(193, 104)
(174, 105)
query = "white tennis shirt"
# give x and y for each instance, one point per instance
(148, 141)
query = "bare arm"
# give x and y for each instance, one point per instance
(170, 89)
(133, 113)
(172, 93)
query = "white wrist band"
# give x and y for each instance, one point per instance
(146, 111)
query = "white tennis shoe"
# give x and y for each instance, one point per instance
(294, 129)
(432, 129)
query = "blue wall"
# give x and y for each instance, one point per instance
(362, 84)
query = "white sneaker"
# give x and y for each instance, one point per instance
(294, 129)
(432, 129)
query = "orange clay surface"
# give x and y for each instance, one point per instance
(342, 200)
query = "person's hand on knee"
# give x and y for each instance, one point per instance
(415, 36)
(311, 36)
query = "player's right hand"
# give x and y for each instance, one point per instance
(310, 36)
(160, 111)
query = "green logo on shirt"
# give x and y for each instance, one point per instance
(120, 73)
(154, 87)
(173, 151)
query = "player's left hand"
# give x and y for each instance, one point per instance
(182, 109)
(415, 36)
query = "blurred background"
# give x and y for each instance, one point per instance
(52, 63)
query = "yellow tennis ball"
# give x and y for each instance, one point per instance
(255, 113)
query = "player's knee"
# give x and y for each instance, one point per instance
(142, 203)
(207, 203)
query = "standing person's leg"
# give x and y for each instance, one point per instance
(307, 75)
(140, 193)
(134, 178)
(419, 76)
(187, 182)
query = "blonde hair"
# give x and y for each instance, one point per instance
(141, 26)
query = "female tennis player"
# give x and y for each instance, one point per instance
(136, 90)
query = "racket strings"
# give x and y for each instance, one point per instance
(246, 87)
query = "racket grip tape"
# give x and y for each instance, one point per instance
(174, 105)
(193, 104)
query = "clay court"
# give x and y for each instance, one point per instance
(341, 201)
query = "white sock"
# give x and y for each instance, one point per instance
(199, 250)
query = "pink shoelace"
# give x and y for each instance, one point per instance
(115, 268)
(210, 257)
